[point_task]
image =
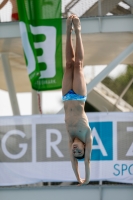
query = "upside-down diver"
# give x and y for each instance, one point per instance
(74, 97)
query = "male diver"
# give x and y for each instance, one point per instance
(74, 97)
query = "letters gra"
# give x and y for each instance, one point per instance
(49, 142)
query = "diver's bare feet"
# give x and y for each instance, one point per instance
(69, 24)
(76, 24)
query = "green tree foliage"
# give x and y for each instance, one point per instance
(118, 85)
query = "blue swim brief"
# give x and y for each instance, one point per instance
(72, 96)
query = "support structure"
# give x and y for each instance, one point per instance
(124, 91)
(99, 8)
(10, 84)
(107, 70)
(35, 109)
(95, 192)
(89, 25)
(106, 24)
(94, 10)
(110, 67)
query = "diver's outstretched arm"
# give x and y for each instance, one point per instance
(74, 163)
(87, 160)
(88, 148)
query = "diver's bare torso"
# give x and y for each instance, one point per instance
(76, 120)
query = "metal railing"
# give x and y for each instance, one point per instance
(82, 8)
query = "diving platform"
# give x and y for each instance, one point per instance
(96, 192)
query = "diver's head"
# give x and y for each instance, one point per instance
(78, 149)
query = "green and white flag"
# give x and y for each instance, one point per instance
(41, 32)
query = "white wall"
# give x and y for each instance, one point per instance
(115, 192)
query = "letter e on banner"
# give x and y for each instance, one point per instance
(49, 49)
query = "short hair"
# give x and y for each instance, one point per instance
(82, 157)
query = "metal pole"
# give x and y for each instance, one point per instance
(124, 91)
(35, 109)
(99, 8)
(100, 190)
(122, 56)
(10, 84)
(131, 10)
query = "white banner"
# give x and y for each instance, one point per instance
(35, 148)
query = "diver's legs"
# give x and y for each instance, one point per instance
(79, 84)
(67, 82)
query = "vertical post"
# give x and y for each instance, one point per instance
(49, 183)
(131, 10)
(10, 84)
(35, 108)
(99, 14)
(99, 8)
(100, 190)
(93, 71)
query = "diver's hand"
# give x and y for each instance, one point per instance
(84, 182)
(81, 181)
